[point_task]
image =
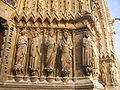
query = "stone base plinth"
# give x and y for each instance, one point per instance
(77, 84)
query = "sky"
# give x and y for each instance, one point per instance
(114, 7)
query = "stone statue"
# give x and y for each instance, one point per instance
(21, 53)
(51, 49)
(87, 53)
(34, 7)
(103, 71)
(67, 4)
(29, 5)
(114, 74)
(67, 7)
(26, 3)
(53, 6)
(66, 55)
(35, 54)
(41, 6)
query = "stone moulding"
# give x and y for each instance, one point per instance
(80, 84)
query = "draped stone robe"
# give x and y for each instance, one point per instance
(21, 54)
(86, 52)
(51, 49)
(66, 55)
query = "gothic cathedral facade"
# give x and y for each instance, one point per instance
(57, 44)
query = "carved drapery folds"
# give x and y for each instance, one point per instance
(21, 54)
(87, 52)
(54, 8)
(35, 54)
(50, 50)
(103, 73)
(37, 51)
(114, 75)
(66, 53)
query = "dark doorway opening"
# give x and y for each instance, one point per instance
(11, 2)
(2, 31)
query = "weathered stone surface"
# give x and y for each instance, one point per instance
(57, 44)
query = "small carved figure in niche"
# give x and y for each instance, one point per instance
(85, 7)
(46, 5)
(95, 73)
(43, 6)
(114, 74)
(29, 5)
(40, 5)
(51, 49)
(33, 7)
(66, 46)
(35, 54)
(21, 53)
(103, 71)
(67, 6)
(53, 6)
(26, 3)
(87, 52)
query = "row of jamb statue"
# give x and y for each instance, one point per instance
(49, 51)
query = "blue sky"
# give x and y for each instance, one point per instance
(114, 7)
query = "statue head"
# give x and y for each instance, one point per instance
(112, 64)
(86, 34)
(23, 32)
(36, 34)
(65, 34)
(51, 32)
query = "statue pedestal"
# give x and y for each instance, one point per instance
(34, 79)
(97, 85)
(79, 84)
(10, 79)
(65, 79)
(50, 79)
(18, 78)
